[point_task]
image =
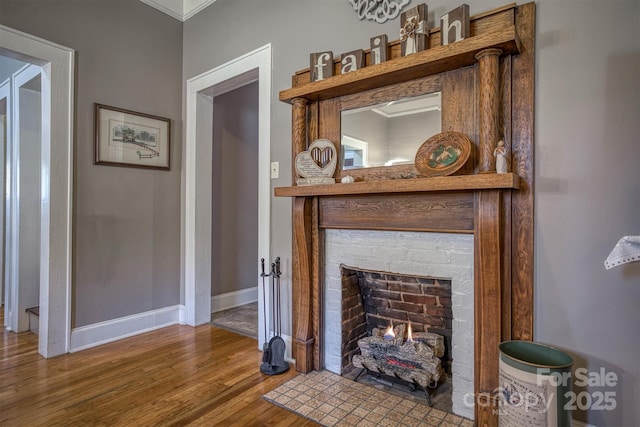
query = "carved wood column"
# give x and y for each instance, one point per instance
(489, 108)
(488, 302)
(522, 161)
(317, 285)
(299, 127)
(302, 286)
(301, 292)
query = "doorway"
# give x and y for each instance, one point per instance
(4, 103)
(54, 188)
(8, 67)
(254, 67)
(25, 187)
(234, 210)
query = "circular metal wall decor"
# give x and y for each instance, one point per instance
(378, 10)
(443, 154)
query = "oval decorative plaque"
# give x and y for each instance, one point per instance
(443, 154)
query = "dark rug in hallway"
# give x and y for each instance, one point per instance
(242, 320)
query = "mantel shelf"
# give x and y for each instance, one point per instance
(485, 181)
(428, 62)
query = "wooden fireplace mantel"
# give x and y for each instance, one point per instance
(440, 183)
(483, 212)
(487, 84)
(428, 62)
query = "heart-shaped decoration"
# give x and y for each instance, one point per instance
(322, 156)
(319, 161)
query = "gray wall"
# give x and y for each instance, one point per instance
(126, 221)
(234, 212)
(587, 151)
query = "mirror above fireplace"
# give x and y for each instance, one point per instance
(389, 133)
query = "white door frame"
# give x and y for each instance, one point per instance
(196, 224)
(57, 64)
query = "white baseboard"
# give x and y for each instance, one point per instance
(234, 299)
(182, 315)
(289, 343)
(112, 330)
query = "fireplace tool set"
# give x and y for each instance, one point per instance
(273, 362)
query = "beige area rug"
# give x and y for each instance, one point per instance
(332, 400)
(241, 320)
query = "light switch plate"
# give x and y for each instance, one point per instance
(275, 170)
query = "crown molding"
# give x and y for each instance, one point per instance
(192, 7)
(179, 9)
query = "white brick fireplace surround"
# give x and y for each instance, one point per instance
(442, 255)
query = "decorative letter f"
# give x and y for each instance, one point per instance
(320, 63)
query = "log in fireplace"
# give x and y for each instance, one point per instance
(414, 359)
(376, 300)
(373, 302)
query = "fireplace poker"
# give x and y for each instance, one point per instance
(277, 286)
(274, 313)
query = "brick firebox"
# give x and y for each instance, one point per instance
(374, 299)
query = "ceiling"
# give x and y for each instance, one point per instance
(179, 9)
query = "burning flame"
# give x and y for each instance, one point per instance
(409, 334)
(389, 334)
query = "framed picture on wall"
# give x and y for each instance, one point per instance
(128, 138)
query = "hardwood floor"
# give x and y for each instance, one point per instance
(174, 376)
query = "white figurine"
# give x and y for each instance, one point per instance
(500, 153)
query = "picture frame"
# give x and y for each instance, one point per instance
(131, 139)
